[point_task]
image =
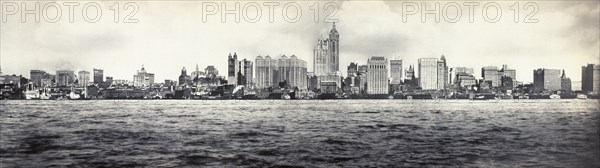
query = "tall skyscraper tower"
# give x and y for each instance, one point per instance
(396, 71)
(428, 73)
(233, 68)
(98, 75)
(377, 78)
(326, 55)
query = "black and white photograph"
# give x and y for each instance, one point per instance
(294, 84)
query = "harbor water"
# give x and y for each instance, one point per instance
(303, 133)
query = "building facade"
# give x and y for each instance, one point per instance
(442, 74)
(565, 82)
(184, 79)
(377, 76)
(428, 73)
(83, 78)
(98, 76)
(590, 79)
(326, 58)
(269, 72)
(65, 77)
(546, 80)
(396, 71)
(233, 67)
(491, 73)
(142, 78)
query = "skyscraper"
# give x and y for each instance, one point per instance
(459, 71)
(428, 73)
(247, 72)
(377, 78)
(266, 72)
(184, 79)
(83, 78)
(546, 79)
(505, 71)
(590, 78)
(98, 76)
(326, 54)
(293, 71)
(233, 68)
(65, 77)
(442, 74)
(142, 78)
(396, 71)
(565, 82)
(36, 77)
(491, 73)
(269, 72)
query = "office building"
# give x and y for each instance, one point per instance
(590, 79)
(65, 77)
(233, 67)
(546, 80)
(83, 78)
(377, 75)
(396, 71)
(326, 56)
(98, 76)
(143, 78)
(428, 73)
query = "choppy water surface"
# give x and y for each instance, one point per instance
(550, 133)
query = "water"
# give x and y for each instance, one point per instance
(309, 133)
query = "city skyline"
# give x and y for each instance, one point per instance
(363, 34)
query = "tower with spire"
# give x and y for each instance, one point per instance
(184, 79)
(326, 59)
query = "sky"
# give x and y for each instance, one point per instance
(170, 35)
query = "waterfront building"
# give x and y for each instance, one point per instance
(565, 82)
(442, 74)
(247, 78)
(410, 81)
(331, 79)
(83, 78)
(428, 73)
(65, 77)
(326, 54)
(506, 71)
(506, 84)
(184, 79)
(269, 72)
(36, 77)
(459, 70)
(590, 78)
(377, 75)
(293, 71)
(464, 79)
(546, 80)
(233, 68)
(492, 74)
(396, 71)
(143, 78)
(13, 80)
(266, 72)
(98, 76)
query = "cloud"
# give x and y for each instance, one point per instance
(171, 35)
